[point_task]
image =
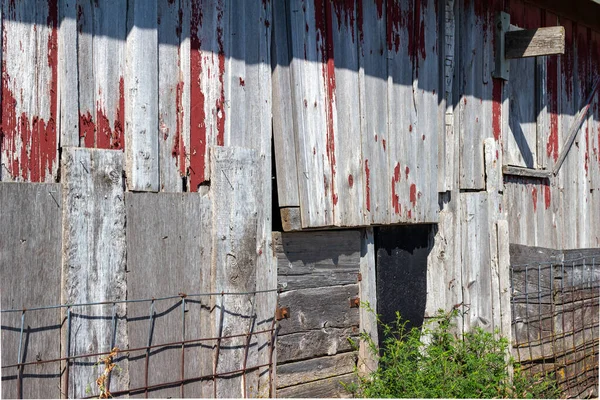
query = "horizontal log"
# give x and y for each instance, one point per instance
(322, 342)
(535, 42)
(317, 308)
(329, 388)
(315, 369)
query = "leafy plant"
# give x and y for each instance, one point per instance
(433, 362)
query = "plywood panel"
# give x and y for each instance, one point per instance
(29, 92)
(94, 260)
(166, 255)
(30, 248)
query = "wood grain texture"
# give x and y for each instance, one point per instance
(315, 343)
(141, 98)
(368, 294)
(30, 249)
(375, 130)
(68, 70)
(316, 308)
(172, 110)
(236, 203)
(535, 42)
(284, 138)
(315, 369)
(30, 111)
(317, 259)
(94, 259)
(167, 255)
(476, 274)
(330, 387)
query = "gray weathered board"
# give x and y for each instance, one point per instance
(334, 387)
(30, 257)
(315, 369)
(316, 259)
(167, 255)
(237, 201)
(94, 261)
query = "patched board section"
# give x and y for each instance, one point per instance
(319, 275)
(30, 249)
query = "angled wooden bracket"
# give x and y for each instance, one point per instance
(512, 42)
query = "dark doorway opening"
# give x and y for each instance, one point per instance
(401, 272)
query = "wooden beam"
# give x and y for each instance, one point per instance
(574, 128)
(527, 172)
(291, 219)
(534, 42)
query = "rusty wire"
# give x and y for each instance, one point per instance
(546, 339)
(68, 358)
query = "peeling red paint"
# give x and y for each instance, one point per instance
(413, 194)
(38, 138)
(552, 94)
(406, 172)
(409, 214)
(220, 102)
(416, 37)
(423, 137)
(383, 143)
(395, 198)
(107, 137)
(324, 26)
(198, 135)
(534, 198)
(350, 180)
(396, 20)
(497, 108)
(87, 129)
(346, 14)
(410, 128)
(567, 59)
(547, 196)
(368, 185)
(375, 137)
(379, 5)
(243, 83)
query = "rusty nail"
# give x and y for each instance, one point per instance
(355, 302)
(282, 313)
(359, 277)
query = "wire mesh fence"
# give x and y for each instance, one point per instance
(177, 344)
(555, 315)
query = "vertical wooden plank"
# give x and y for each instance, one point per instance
(67, 67)
(172, 150)
(236, 191)
(402, 111)
(93, 259)
(447, 141)
(86, 86)
(476, 90)
(165, 256)
(348, 189)
(493, 175)
(283, 129)
(207, 91)
(476, 260)
(373, 77)
(312, 104)
(30, 92)
(110, 25)
(426, 89)
(30, 248)
(504, 280)
(141, 111)
(368, 294)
